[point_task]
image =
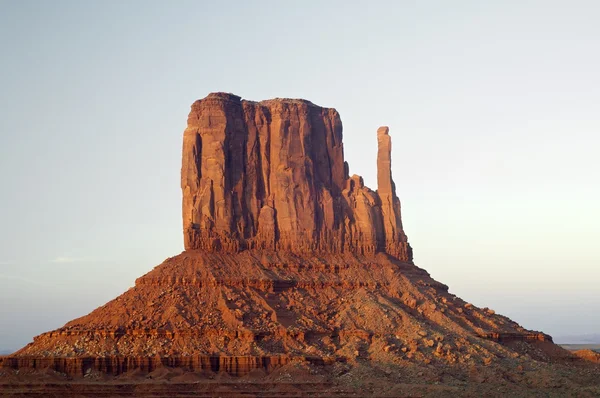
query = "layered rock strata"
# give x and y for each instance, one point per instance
(235, 312)
(287, 258)
(271, 175)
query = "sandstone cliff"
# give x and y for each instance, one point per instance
(272, 175)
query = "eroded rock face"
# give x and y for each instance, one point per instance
(271, 175)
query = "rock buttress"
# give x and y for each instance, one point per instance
(395, 239)
(271, 175)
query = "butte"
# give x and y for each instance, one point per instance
(287, 259)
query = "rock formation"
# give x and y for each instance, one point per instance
(287, 258)
(271, 175)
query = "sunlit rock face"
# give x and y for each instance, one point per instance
(272, 175)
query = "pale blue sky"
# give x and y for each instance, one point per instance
(494, 111)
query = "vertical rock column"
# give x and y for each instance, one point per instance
(396, 242)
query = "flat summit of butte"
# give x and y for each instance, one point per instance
(288, 259)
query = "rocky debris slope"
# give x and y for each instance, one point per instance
(288, 260)
(262, 309)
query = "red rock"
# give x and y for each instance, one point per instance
(287, 258)
(394, 237)
(588, 355)
(272, 175)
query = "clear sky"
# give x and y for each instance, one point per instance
(493, 108)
